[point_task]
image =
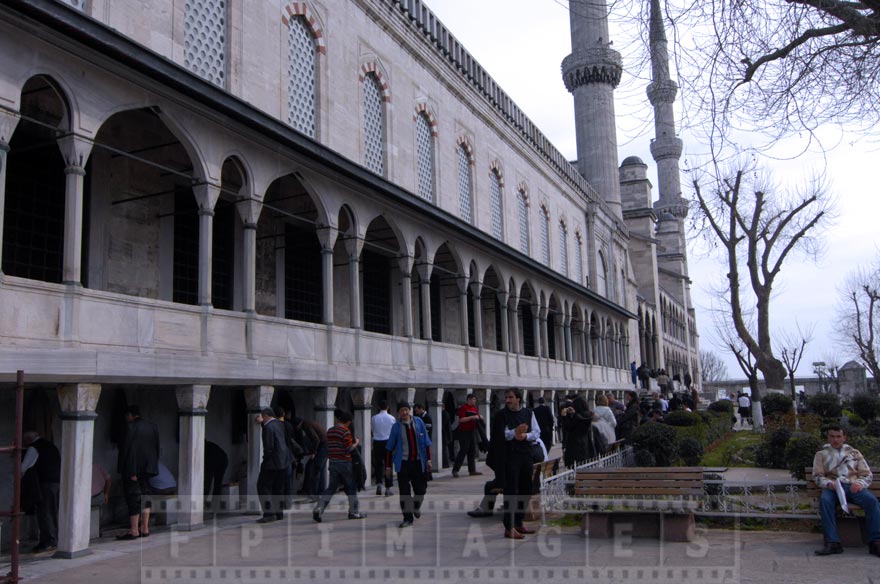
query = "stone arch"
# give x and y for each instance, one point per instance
(424, 109)
(376, 68)
(490, 303)
(555, 319)
(528, 306)
(310, 17)
(382, 248)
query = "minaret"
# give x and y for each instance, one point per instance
(591, 72)
(666, 147)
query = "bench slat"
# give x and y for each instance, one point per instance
(638, 484)
(638, 491)
(638, 477)
(647, 469)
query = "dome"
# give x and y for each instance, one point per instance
(630, 160)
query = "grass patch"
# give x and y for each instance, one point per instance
(722, 452)
(566, 520)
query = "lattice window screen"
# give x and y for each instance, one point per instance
(78, 4)
(545, 237)
(523, 223)
(374, 126)
(204, 23)
(579, 260)
(464, 185)
(425, 157)
(497, 218)
(302, 67)
(563, 249)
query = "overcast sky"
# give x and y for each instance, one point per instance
(521, 44)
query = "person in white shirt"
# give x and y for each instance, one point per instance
(745, 409)
(381, 429)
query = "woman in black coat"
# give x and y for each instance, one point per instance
(578, 423)
(629, 419)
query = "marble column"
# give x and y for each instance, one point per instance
(566, 334)
(8, 122)
(78, 402)
(476, 290)
(257, 398)
(406, 265)
(462, 310)
(324, 402)
(354, 246)
(363, 414)
(327, 236)
(514, 324)
(75, 151)
(192, 405)
(543, 333)
(538, 332)
(505, 327)
(403, 395)
(484, 404)
(424, 270)
(434, 403)
(249, 276)
(206, 196)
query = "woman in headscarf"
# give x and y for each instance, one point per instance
(577, 421)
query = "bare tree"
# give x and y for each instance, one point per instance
(744, 358)
(858, 316)
(778, 66)
(712, 366)
(792, 344)
(757, 226)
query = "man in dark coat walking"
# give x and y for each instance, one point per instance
(275, 466)
(138, 461)
(42, 468)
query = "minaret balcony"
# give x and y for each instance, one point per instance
(597, 65)
(663, 91)
(663, 148)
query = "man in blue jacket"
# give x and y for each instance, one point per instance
(409, 449)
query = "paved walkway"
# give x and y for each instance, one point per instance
(445, 545)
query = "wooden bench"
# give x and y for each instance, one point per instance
(851, 526)
(654, 502)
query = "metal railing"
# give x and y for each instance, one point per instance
(15, 451)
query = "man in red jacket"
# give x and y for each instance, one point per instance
(468, 414)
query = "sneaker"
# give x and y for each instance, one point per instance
(378, 491)
(388, 492)
(316, 515)
(405, 523)
(357, 515)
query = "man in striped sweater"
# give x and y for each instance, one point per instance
(340, 445)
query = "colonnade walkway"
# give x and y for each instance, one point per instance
(445, 545)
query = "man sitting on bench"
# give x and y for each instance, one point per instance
(839, 462)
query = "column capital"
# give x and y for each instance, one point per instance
(434, 396)
(327, 236)
(354, 246)
(405, 264)
(193, 398)
(424, 270)
(8, 122)
(324, 399)
(206, 195)
(258, 397)
(362, 397)
(476, 288)
(79, 400)
(75, 150)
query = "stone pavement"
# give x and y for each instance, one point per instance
(445, 545)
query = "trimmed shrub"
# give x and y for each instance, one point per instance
(722, 405)
(690, 451)
(682, 418)
(825, 405)
(771, 452)
(869, 446)
(776, 404)
(799, 453)
(867, 406)
(658, 439)
(853, 419)
(644, 458)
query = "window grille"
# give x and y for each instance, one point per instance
(545, 236)
(563, 249)
(551, 335)
(464, 184)
(497, 217)
(186, 248)
(374, 125)
(302, 67)
(579, 260)
(303, 284)
(204, 23)
(377, 292)
(425, 157)
(528, 329)
(523, 223)
(436, 309)
(498, 330)
(223, 255)
(33, 220)
(472, 326)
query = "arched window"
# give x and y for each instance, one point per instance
(302, 68)
(523, 205)
(464, 184)
(425, 157)
(602, 286)
(578, 258)
(563, 249)
(374, 125)
(495, 193)
(204, 49)
(545, 236)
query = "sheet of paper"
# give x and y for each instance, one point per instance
(841, 496)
